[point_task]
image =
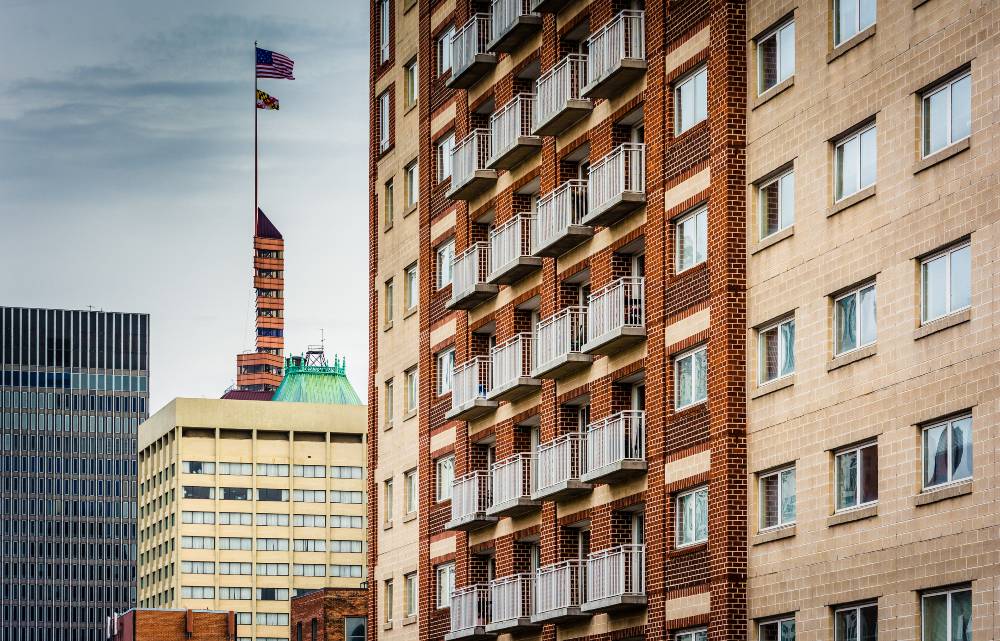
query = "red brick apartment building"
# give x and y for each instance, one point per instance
(330, 614)
(143, 624)
(575, 264)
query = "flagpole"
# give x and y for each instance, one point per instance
(256, 203)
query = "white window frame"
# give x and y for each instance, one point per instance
(388, 296)
(692, 80)
(387, 599)
(858, 27)
(387, 498)
(677, 378)
(445, 263)
(775, 33)
(412, 390)
(445, 361)
(443, 484)
(857, 621)
(680, 542)
(444, 148)
(691, 216)
(411, 492)
(384, 111)
(925, 102)
(444, 575)
(443, 45)
(389, 400)
(782, 350)
(856, 451)
(776, 621)
(384, 30)
(762, 526)
(783, 222)
(411, 287)
(950, 592)
(388, 208)
(947, 255)
(411, 83)
(948, 425)
(838, 151)
(411, 592)
(693, 634)
(857, 318)
(411, 184)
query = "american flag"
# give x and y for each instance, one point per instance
(273, 65)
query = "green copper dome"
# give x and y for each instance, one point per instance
(312, 380)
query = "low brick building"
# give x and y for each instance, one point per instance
(330, 614)
(173, 625)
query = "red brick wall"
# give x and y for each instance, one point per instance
(328, 607)
(172, 625)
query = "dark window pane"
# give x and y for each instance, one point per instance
(869, 474)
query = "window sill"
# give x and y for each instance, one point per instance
(407, 5)
(933, 495)
(385, 152)
(855, 514)
(387, 625)
(409, 210)
(773, 239)
(410, 619)
(773, 386)
(785, 532)
(941, 155)
(851, 201)
(852, 357)
(387, 326)
(772, 92)
(943, 323)
(387, 525)
(409, 108)
(411, 311)
(409, 517)
(409, 415)
(847, 45)
(688, 549)
(917, 3)
(387, 426)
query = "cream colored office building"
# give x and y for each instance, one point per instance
(245, 503)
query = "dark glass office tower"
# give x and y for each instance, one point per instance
(73, 390)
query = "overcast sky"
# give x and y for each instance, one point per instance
(126, 172)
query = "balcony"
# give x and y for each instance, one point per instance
(560, 101)
(557, 227)
(617, 55)
(510, 251)
(558, 344)
(560, 464)
(470, 498)
(512, 486)
(470, 613)
(616, 447)
(470, 56)
(511, 375)
(470, 176)
(616, 579)
(469, 383)
(511, 598)
(510, 128)
(559, 592)
(512, 23)
(616, 318)
(617, 185)
(548, 6)
(469, 270)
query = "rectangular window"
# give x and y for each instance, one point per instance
(691, 239)
(410, 83)
(346, 545)
(272, 594)
(389, 401)
(353, 497)
(445, 575)
(691, 100)
(445, 366)
(777, 204)
(271, 494)
(387, 500)
(388, 211)
(851, 17)
(308, 569)
(692, 517)
(445, 475)
(234, 543)
(345, 521)
(272, 469)
(388, 301)
(946, 615)
(947, 447)
(691, 377)
(310, 520)
(412, 390)
(198, 592)
(387, 599)
(699, 634)
(236, 469)
(946, 282)
(235, 493)
(198, 492)
(776, 57)
(776, 350)
(229, 567)
(346, 571)
(443, 47)
(444, 148)
(265, 518)
(346, 472)
(383, 30)
(777, 630)
(198, 517)
(445, 258)
(856, 160)
(355, 628)
(412, 287)
(383, 121)
(777, 498)
(856, 623)
(412, 185)
(309, 496)
(410, 597)
(410, 488)
(309, 545)
(310, 471)
(197, 567)
(272, 569)
(197, 467)
(235, 518)
(947, 114)
(855, 319)
(856, 476)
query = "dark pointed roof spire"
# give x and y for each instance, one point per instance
(264, 228)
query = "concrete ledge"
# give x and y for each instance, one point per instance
(941, 155)
(776, 534)
(942, 324)
(772, 92)
(847, 45)
(852, 357)
(851, 201)
(410, 620)
(917, 3)
(934, 495)
(409, 517)
(849, 516)
(773, 386)
(773, 239)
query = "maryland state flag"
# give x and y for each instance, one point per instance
(265, 101)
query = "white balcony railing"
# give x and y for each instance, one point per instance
(512, 479)
(614, 306)
(558, 86)
(469, 156)
(622, 38)
(560, 334)
(560, 586)
(620, 437)
(508, 242)
(557, 210)
(510, 122)
(624, 169)
(470, 608)
(511, 360)
(511, 597)
(504, 15)
(560, 460)
(470, 495)
(469, 41)
(616, 572)
(470, 268)
(470, 381)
